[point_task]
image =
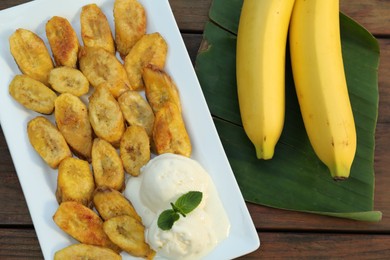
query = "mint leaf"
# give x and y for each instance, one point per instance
(188, 202)
(183, 205)
(167, 218)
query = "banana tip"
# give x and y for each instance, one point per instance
(340, 178)
(263, 153)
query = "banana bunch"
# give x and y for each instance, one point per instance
(318, 71)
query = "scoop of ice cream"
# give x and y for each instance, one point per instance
(169, 176)
(187, 239)
(161, 182)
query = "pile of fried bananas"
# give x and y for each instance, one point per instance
(114, 105)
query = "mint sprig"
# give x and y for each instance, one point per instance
(183, 205)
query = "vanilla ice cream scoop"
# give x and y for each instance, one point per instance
(169, 176)
(161, 182)
(188, 238)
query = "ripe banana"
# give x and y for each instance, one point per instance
(320, 83)
(260, 71)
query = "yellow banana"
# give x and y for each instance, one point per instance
(320, 83)
(260, 71)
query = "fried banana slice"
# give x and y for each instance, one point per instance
(48, 141)
(136, 110)
(134, 149)
(95, 29)
(72, 119)
(75, 182)
(83, 224)
(128, 233)
(150, 49)
(31, 54)
(63, 41)
(32, 94)
(169, 131)
(105, 116)
(130, 24)
(68, 80)
(111, 203)
(159, 88)
(107, 165)
(102, 67)
(84, 251)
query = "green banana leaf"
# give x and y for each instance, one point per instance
(295, 179)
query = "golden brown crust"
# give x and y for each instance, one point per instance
(84, 251)
(63, 41)
(101, 67)
(83, 224)
(95, 29)
(32, 94)
(134, 149)
(111, 203)
(75, 182)
(105, 116)
(128, 233)
(48, 141)
(159, 88)
(31, 54)
(169, 132)
(71, 116)
(136, 110)
(150, 49)
(68, 80)
(130, 24)
(107, 165)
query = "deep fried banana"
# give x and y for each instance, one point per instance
(32, 94)
(130, 24)
(71, 116)
(134, 149)
(83, 224)
(111, 203)
(128, 233)
(48, 141)
(169, 131)
(75, 182)
(63, 41)
(84, 251)
(68, 80)
(159, 88)
(105, 116)
(102, 67)
(95, 29)
(150, 49)
(31, 54)
(136, 110)
(107, 165)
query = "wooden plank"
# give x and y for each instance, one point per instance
(10, 3)
(22, 244)
(285, 245)
(374, 15)
(19, 244)
(384, 81)
(13, 207)
(191, 15)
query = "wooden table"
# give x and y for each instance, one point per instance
(284, 234)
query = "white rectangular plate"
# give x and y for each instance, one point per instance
(38, 181)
